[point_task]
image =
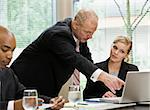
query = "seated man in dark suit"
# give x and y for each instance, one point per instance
(114, 65)
(10, 87)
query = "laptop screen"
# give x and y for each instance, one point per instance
(137, 87)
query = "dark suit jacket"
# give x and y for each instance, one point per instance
(50, 60)
(10, 88)
(98, 88)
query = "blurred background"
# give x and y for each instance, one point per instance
(28, 18)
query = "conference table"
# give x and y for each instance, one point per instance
(102, 106)
(106, 106)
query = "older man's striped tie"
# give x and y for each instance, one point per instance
(76, 74)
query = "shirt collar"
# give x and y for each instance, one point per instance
(75, 38)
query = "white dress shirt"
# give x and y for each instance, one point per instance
(10, 105)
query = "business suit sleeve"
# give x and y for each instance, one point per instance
(3, 105)
(19, 87)
(13, 88)
(132, 67)
(64, 48)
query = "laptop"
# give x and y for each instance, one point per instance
(136, 89)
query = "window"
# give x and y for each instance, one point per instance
(26, 18)
(112, 25)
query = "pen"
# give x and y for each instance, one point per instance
(92, 100)
(80, 103)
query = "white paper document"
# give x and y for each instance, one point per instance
(45, 106)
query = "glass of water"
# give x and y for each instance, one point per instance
(74, 93)
(30, 99)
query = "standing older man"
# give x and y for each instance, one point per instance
(49, 61)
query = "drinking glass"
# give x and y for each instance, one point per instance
(30, 99)
(74, 93)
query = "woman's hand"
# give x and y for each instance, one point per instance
(109, 94)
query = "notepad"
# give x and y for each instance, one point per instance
(44, 106)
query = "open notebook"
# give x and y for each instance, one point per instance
(136, 89)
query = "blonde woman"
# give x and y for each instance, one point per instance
(114, 65)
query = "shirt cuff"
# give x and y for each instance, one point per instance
(10, 105)
(95, 75)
